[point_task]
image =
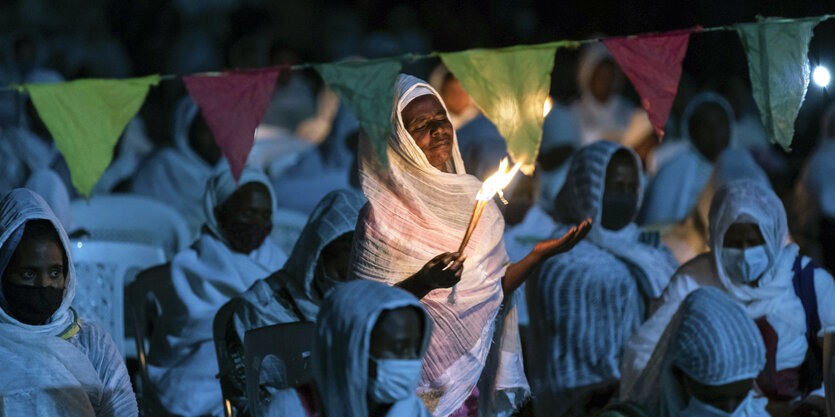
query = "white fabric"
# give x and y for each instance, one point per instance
(599, 120)
(23, 152)
(47, 184)
(674, 191)
(774, 297)
(341, 348)
(415, 213)
(134, 147)
(814, 198)
(112, 394)
(183, 364)
(585, 303)
(714, 342)
(178, 175)
(263, 304)
(559, 130)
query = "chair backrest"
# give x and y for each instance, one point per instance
(144, 307)
(103, 269)
(278, 148)
(132, 218)
(281, 350)
(287, 226)
(230, 352)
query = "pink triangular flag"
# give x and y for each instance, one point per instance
(653, 64)
(233, 104)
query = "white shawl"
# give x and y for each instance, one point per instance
(416, 212)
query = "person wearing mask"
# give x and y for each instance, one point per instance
(370, 341)
(233, 251)
(682, 175)
(704, 366)
(786, 294)
(318, 263)
(584, 304)
(419, 207)
(38, 287)
(601, 112)
(177, 176)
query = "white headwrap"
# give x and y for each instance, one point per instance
(713, 341)
(341, 348)
(222, 185)
(17, 208)
(415, 213)
(585, 303)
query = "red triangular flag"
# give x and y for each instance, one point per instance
(653, 64)
(233, 104)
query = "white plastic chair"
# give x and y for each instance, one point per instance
(282, 149)
(103, 269)
(131, 218)
(287, 226)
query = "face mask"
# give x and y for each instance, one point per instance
(246, 237)
(32, 305)
(618, 209)
(697, 408)
(396, 380)
(745, 266)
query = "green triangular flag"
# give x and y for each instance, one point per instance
(86, 117)
(367, 89)
(776, 50)
(510, 87)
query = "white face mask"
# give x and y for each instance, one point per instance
(697, 408)
(745, 266)
(396, 380)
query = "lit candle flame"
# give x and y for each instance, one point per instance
(496, 183)
(547, 107)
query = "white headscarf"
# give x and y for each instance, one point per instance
(597, 119)
(204, 277)
(714, 342)
(415, 213)
(341, 348)
(585, 303)
(17, 208)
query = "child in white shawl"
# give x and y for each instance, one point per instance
(705, 363)
(38, 288)
(318, 263)
(584, 304)
(232, 252)
(177, 176)
(370, 340)
(784, 292)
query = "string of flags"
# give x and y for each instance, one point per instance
(509, 85)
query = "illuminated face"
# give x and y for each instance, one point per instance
(426, 120)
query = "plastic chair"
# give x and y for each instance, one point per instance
(145, 297)
(103, 269)
(282, 149)
(131, 218)
(230, 351)
(287, 226)
(283, 350)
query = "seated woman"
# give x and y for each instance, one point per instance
(704, 365)
(584, 304)
(420, 204)
(370, 341)
(38, 286)
(177, 176)
(787, 294)
(232, 252)
(318, 263)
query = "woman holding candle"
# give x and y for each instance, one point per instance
(420, 205)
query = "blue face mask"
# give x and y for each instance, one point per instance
(396, 380)
(745, 266)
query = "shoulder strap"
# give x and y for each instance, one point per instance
(804, 288)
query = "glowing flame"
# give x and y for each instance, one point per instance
(495, 183)
(547, 107)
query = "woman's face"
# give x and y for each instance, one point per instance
(426, 120)
(743, 236)
(397, 334)
(246, 217)
(37, 262)
(723, 397)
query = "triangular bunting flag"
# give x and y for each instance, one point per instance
(776, 50)
(653, 65)
(510, 87)
(233, 104)
(86, 117)
(367, 89)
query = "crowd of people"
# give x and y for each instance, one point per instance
(628, 276)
